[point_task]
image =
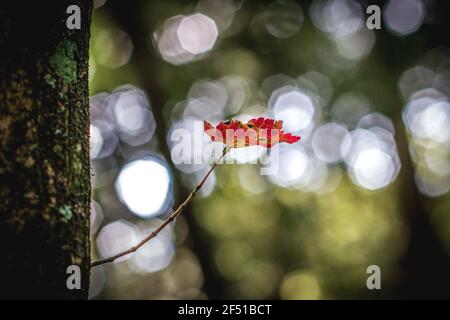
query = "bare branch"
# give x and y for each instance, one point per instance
(169, 219)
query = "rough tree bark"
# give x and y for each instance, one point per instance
(44, 149)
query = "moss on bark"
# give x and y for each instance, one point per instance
(44, 157)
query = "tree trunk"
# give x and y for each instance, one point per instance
(44, 149)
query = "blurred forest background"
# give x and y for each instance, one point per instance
(367, 184)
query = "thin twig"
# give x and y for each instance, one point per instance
(169, 219)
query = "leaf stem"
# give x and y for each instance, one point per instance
(169, 219)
